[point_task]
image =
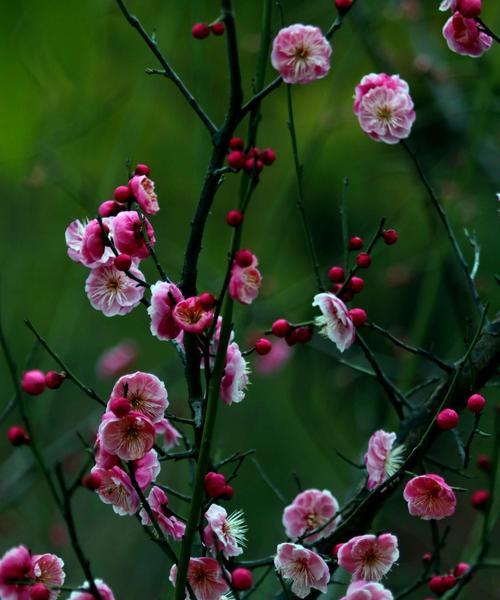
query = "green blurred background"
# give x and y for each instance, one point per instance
(77, 104)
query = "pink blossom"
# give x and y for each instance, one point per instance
(369, 557)
(129, 437)
(169, 433)
(205, 577)
(275, 360)
(103, 459)
(430, 497)
(112, 291)
(164, 297)
(104, 591)
(235, 379)
(224, 533)
(117, 359)
(382, 460)
(145, 392)
(117, 489)
(304, 568)
(301, 54)
(464, 36)
(190, 315)
(363, 590)
(384, 107)
(310, 510)
(144, 192)
(94, 250)
(170, 525)
(335, 323)
(147, 469)
(15, 565)
(48, 569)
(128, 234)
(245, 282)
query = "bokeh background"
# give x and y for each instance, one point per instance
(76, 105)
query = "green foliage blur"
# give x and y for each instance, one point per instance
(77, 104)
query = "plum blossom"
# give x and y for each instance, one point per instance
(146, 393)
(128, 234)
(382, 459)
(335, 322)
(384, 107)
(301, 54)
(164, 297)
(15, 565)
(144, 192)
(168, 432)
(464, 36)
(235, 379)
(430, 497)
(170, 525)
(94, 250)
(117, 489)
(205, 577)
(226, 534)
(245, 282)
(147, 469)
(310, 510)
(48, 569)
(112, 291)
(104, 591)
(367, 590)
(304, 568)
(117, 359)
(129, 437)
(369, 557)
(190, 315)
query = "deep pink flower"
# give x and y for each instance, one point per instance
(144, 192)
(129, 437)
(128, 234)
(304, 568)
(235, 379)
(117, 359)
(301, 54)
(335, 323)
(147, 469)
(94, 250)
(369, 557)
(205, 578)
(384, 107)
(224, 533)
(191, 316)
(48, 569)
(112, 292)
(310, 510)
(104, 591)
(382, 459)
(367, 590)
(430, 497)
(168, 432)
(145, 392)
(275, 360)
(245, 282)
(464, 37)
(164, 296)
(117, 489)
(15, 565)
(170, 525)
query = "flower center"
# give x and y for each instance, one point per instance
(385, 113)
(301, 53)
(113, 285)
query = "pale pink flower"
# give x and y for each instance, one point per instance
(129, 437)
(144, 192)
(235, 379)
(94, 250)
(128, 234)
(335, 323)
(169, 433)
(112, 292)
(15, 565)
(310, 510)
(464, 36)
(369, 557)
(145, 392)
(226, 534)
(367, 590)
(205, 577)
(104, 591)
(382, 459)
(384, 107)
(164, 297)
(275, 360)
(48, 569)
(147, 469)
(190, 315)
(301, 54)
(117, 359)
(116, 489)
(170, 525)
(304, 568)
(245, 282)
(74, 238)
(430, 497)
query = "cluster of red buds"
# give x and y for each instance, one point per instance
(123, 196)
(216, 486)
(448, 418)
(35, 381)
(293, 334)
(440, 584)
(200, 31)
(251, 161)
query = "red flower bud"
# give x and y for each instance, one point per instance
(483, 462)
(281, 328)
(54, 380)
(470, 9)
(390, 236)
(263, 346)
(110, 208)
(200, 31)
(122, 262)
(268, 156)
(363, 260)
(237, 143)
(214, 484)
(142, 169)
(39, 591)
(242, 579)
(447, 419)
(480, 499)
(18, 436)
(355, 243)
(476, 403)
(91, 481)
(207, 300)
(358, 316)
(243, 258)
(236, 160)
(356, 284)
(234, 218)
(121, 193)
(218, 28)
(461, 569)
(120, 406)
(336, 274)
(33, 382)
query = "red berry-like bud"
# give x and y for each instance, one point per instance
(236, 160)
(234, 218)
(214, 484)
(218, 28)
(480, 499)
(122, 262)
(281, 328)
(437, 585)
(335, 551)
(483, 462)
(355, 243)
(447, 419)
(470, 9)
(91, 481)
(33, 382)
(336, 287)
(252, 164)
(291, 338)
(207, 300)
(347, 295)
(476, 403)
(39, 591)
(228, 492)
(303, 335)
(336, 274)
(426, 557)
(237, 143)
(200, 31)
(142, 169)
(110, 208)
(263, 346)
(120, 406)
(268, 156)
(254, 152)
(363, 260)
(448, 582)
(54, 380)
(343, 5)
(243, 258)
(242, 579)
(18, 436)
(390, 236)
(461, 569)
(356, 284)
(358, 316)
(122, 193)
